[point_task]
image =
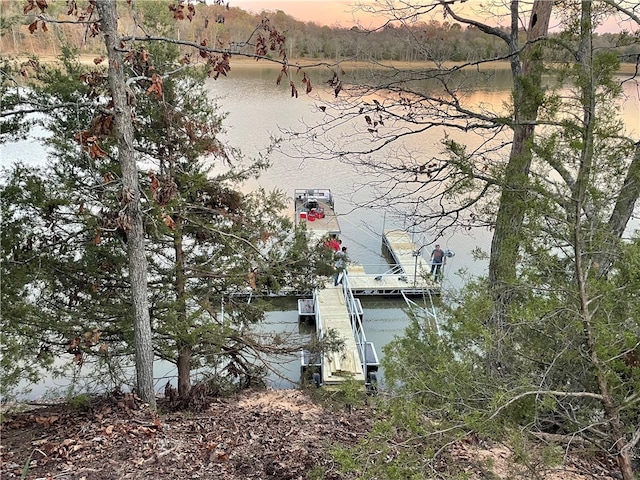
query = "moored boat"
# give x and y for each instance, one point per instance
(315, 207)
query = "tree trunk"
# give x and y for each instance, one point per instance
(527, 95)
(185, 350)
(131, 195)
(616, 436)
(625, 204)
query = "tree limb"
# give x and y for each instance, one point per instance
(553, 393)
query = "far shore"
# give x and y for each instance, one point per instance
(246, 62)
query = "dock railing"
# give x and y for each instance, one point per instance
(356, 323)
(427, 312)
(366, 350)
(385, 279)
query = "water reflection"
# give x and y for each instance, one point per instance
(259, 109)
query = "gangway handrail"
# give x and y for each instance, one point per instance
(318, 317)
(356, 324)
(428, 312)
(336, 299)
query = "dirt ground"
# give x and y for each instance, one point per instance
(261, 434)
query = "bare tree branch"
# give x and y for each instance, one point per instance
(553, 393)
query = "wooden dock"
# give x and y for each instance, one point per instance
(335, 309)
(333, 314)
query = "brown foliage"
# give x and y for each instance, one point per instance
(261, 434)
(168, 221)
(182, 11)
(219, 64)
(307, 81)
(254, 435)
(268, 39)
(33, 4)
(156, 86)
(33, 27)
(163, 188)
(96, 152)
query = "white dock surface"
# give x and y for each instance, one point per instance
(414, 277)
(403, 250)
(339, 366)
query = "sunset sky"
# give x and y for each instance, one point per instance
(344, 13)
(324, 12)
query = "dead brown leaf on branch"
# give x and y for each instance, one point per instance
(156, 86)
(267, 39)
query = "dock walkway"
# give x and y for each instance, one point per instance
(408, 275)
(335, 309)
(333, 313)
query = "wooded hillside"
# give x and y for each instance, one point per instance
(218, 24)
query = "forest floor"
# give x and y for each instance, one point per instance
(257, 434)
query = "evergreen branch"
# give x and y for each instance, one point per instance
(40, 108)
(554, 393)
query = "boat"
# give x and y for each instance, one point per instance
(315, 207)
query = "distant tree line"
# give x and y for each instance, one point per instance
(217, 25)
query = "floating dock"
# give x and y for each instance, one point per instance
(405, 254)
(335, 309)
(409, 272)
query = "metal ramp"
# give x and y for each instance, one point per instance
(336, 309)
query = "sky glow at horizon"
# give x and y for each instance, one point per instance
(324, 12)
(345, 13)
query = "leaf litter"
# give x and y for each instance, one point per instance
(256, 434)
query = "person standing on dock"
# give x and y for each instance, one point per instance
(341, 266)
(438, 259)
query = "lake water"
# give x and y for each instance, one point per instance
(257, 110)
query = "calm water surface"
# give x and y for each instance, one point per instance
(257, 111)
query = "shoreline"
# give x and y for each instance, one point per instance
(246, 62)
